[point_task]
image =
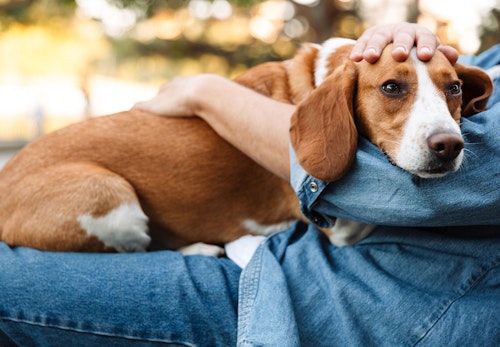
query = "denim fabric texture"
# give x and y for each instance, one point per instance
(429, 277)
(412, 287)
(394, 192)
(143, 299)
(390, 192)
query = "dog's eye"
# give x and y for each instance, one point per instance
(455, 89)
(392, 89)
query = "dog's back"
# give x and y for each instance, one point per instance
(99, 175)
(115, 182)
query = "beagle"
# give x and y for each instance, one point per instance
(134, 181)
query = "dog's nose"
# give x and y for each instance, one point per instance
(446, 146)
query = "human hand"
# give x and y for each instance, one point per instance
(403, 36)
(177, 98)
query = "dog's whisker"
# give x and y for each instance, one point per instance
(475, 143)
(463, 166)
(468, 153)
(465, 134)
(111, 211)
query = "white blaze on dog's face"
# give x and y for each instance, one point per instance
(411, 111)
(436, 98)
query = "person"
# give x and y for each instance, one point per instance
(429, 275)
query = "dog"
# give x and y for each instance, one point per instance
(134, 181)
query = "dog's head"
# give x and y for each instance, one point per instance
(411, 110)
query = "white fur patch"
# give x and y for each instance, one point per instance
(347, 233)
(327, 49)
(242, 250)
(429, 115)
(125, 228)
(202, 249)
(494, 72)
(259, 229)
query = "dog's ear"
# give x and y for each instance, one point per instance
(476, 89)
(323, 133)
(269, 79)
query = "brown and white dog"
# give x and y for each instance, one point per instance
(134, 181)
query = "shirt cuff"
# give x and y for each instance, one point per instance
(308, 189)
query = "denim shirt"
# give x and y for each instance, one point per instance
(429, 273)
(398, 198)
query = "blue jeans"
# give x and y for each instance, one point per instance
(148, 299)
(401, 286)
(398, 287)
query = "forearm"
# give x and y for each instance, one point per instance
(469, 196)
(256, 125)
(253, 123)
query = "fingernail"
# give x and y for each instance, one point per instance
(401, 49)
(425, 50)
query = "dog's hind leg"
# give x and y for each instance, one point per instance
(73, 207)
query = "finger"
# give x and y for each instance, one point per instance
(403, 42)
(372, 54)
(371, 43)
(450, 53)
(406, 36)
(357, 51)
(427, 43)
(375, 45)
(147, 106)
(361, 52)
(138, 106)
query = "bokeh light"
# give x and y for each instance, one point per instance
(62, 64)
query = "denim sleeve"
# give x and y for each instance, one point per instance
(485, 60)
(376, 192)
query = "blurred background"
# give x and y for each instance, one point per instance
(64, 61)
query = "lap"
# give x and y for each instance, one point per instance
(399, 286)
(114, 299)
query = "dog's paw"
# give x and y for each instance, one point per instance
(348, 233)
(202, 249)
(124, 229)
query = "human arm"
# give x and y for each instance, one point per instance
(376, 192)
(255, 124)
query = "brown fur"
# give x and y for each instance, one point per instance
(178, 169)
(193, 185)
(301, 73)
(325, 127)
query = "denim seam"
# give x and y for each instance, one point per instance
(465, 289)
(97, 333)
(5, 336)
(249, 284)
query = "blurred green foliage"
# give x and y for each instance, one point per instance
(229, 44)
(111, 52)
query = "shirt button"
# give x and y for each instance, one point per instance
(317, 220)
(313, 187)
